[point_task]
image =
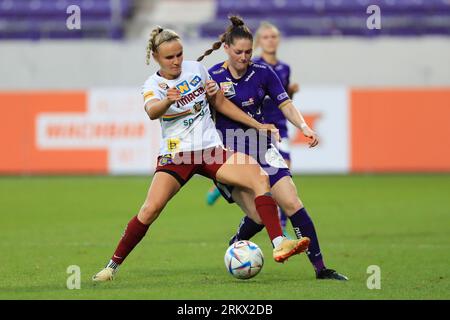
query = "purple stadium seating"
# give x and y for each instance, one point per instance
(336, 17)
(37, 19)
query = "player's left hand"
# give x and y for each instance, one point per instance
(294, 88)
(270, 128)
(211, 88)
(308, 132)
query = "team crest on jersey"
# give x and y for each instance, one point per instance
(165, 159)
(194, 82)
(183, 87)
(198, 106)
(163, 85)
(227, 88)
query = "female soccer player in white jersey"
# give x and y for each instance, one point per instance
(247, 84)
(178, 96)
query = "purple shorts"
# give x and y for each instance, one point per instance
(283, 148)
(273, 164)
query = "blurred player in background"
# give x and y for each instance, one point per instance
(178, 95)
(246, 84)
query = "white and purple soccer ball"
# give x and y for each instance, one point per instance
(244, 259)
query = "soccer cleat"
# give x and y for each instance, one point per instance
(288, 248)
(330, 274)
(106, 274)
(212, 196)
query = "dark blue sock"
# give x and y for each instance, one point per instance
(304, 227)
(246, 230)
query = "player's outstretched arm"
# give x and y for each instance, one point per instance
(295, 117)
(229, 109)
(155, 108)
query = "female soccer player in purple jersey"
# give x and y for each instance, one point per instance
(268, 39)
(179, 95)
(246, 84)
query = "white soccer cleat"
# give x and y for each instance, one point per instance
(107, 274)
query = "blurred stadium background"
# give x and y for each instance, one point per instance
(71, 105)
(70, 98)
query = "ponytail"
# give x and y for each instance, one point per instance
(237, 30)
(215, 46)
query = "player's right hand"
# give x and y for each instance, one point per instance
(173, 95)
(211, 88)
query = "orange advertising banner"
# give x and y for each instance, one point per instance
(19, 151)
(102, 131)
(400, 130)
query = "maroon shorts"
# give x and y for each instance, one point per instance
(182, 166)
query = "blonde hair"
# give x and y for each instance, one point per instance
(263, 26)
(237, 30)
(157, 37)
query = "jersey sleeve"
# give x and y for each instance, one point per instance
(275, 89)
(150, 91)
(204, 74)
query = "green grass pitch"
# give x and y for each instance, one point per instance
(400, 223)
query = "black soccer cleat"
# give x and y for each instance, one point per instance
(330, 274)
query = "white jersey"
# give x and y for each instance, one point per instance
(187, 124)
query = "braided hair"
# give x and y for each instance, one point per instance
(157, 37)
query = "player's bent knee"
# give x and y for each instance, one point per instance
(292, 205)
(260, 182)
(150, 212)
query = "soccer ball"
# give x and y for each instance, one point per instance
(244, 259)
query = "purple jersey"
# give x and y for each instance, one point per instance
(248, 92)
(271, 113)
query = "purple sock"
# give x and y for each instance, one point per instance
(246, 230)
(304, 227)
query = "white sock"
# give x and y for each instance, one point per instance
(277, 241)
(112, 264)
